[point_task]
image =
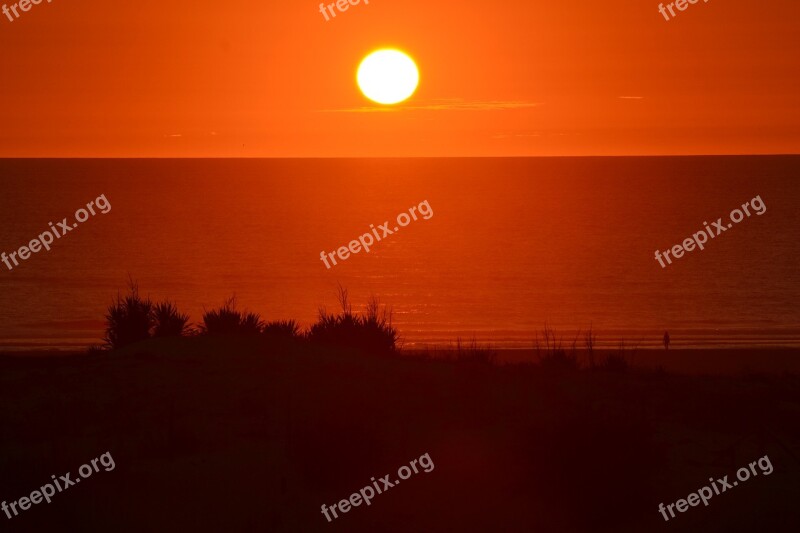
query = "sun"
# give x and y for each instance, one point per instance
(387, 76)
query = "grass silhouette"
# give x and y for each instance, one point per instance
(168, 321)
(289, 419)
(473, 352)
(228, 321)
(370, 332)
(282, 330)
(129, 318)
(132, 318)
(554, 358)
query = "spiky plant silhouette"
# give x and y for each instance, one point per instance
(370, 332)
(282, 330)
(168, 321)
(129, 318)
(227, 320)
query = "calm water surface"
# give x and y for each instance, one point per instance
(512, 244)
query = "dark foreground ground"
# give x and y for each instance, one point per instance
(215, 435)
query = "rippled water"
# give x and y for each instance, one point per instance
(512, 244)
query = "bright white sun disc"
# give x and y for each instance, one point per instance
(387, 76)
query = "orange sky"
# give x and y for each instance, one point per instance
(254, 78)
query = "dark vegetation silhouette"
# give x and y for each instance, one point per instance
(617, 361)
(553, 357)
(133, 318)
(168, 321)
(229, 321)
(371, 331)
(129, 319)
(268, 421)
(282, 330)
(473, 352)
(590, 341)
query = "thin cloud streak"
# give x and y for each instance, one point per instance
(444, 105)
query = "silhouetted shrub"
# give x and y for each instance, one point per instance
(554, 358)
(377, 326)
(129, 319)
(474, 352)
(227, 320)
(282, 330)
(168, 321)
(371, 332)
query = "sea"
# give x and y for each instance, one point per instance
(513, 246)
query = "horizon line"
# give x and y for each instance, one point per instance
(588, 156)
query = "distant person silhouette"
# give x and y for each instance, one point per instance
(666, 340)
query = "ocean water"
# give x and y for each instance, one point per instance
(513, 244)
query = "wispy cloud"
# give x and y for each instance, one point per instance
(442, 105)
(531, 134)
(631, 97)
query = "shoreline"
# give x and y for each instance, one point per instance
(692, 361)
